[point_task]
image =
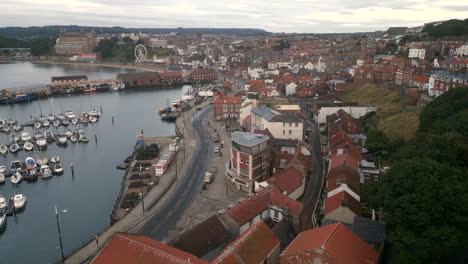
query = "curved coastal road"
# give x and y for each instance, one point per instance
(158, 226)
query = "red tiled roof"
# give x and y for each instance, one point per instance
(227, 100)
(254, 205)
(252, 246)
(333, 244)
(257, 84)
(343, 174)
(287, 180)
(128, 248)
(350, 157)
(342, 199)
(168, 74)
(421, 79)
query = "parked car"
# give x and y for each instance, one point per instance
(216, 149)
(216, 139)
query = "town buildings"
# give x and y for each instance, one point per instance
(75, 43)
(226, 107)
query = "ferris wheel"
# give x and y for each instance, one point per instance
(140, 53)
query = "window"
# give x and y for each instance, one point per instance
(284, 132)
(290, 132)
(297, 124)
(290, 124)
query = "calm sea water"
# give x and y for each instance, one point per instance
(88, 197)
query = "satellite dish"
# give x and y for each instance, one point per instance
(140, 53)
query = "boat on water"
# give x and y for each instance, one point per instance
(69, 114)
(31, 174)
(3, 204)
(46, 172)
(65, 122)
(2, 178)
(42, 160)
(41, 143)
(25, 136)
(51, 118)
(54, 159)
(37, 125)
(28, 146)
(17, 128)
(14, 148)
(83, 139)
(57, 169)
(74, 121)
(62, 141)
(2, 168)
(30, 163)
(68, 133)
(16, 178)
(19, 201)
(37, 136)
(61, 117)
(93, 119)
(8, 97)
(45, 123)
(56, 123)
(89, 90)
(49, 136)
(3, 149)
(3, 220)
(15, 139)
(95, 113)
(16, 165)
(6, 129)
(74, 138)
(84, 119)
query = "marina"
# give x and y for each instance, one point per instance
(89, 170)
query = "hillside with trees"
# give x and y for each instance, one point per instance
(38, 46)
(425, 193)
(448, 28)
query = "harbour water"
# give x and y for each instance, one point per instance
(88, 196)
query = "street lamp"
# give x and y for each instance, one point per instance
(60, 233)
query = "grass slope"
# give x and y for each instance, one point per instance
(392, 118)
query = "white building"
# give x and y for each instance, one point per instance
(417, 53)
(285, 126)
(291, 89)
(354, 111)
(462, 51)
(158, 43)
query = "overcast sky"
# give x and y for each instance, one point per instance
(271, 15)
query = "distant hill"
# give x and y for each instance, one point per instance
(53, 31)
(450, 28)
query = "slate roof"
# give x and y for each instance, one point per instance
(249, 139)
(264, 112)
(369, 230)
(334, 244)
(129, 248)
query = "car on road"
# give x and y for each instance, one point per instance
(216, 139)
(216, 150)
(199, 108)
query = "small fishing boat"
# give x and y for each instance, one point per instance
(2, 178)
(93, 119)
(61, 117)
(84, 119)
(28, 146)
(3, 203)
(74, 121)
(12, 122)
(17, 128)
(56, 123)
(2, 168)
(42, 160)
(14, 148)
(15, 139)
(45, 123)
(46, 172)
(74, 138)
(19, 201)
(62, 141)
(37, 125)
(25, 136)
(3, 149)
(57, 169)
(37, 136)
(83, 139)
(16, 178)
(41, 143)
(55, 159)
(3, 220)
(69, 114)
(30, 163)
(90, 90)
(6, 129)
(31, 174)
(65, 122)
(94, 113)
(49, 136)
(16, 165)
(51, 118)
(68, 133)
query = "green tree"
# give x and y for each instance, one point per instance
(127, 40)
(426, 213)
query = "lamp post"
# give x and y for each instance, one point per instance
(142, 194)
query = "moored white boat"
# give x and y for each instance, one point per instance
(41, 143)
(28, 146)
(2, 220)
(16, 178)
(42, 160)
(74, 121)
(93, 119)
(46, 172)
(17, 128)
(37, 125)
(30, 163)
(2, 178)
(83, 139)
(51, 118)
(14, 148)
(62, 140)
(74, 138)
(49, 136)
(55, 159)
(68, 133)
(3, 149)
(45, 123)
(57, 169)
(19, 201)
(56, 123)
(16, 165)
(2, 168)
(69, 114)
(25, 136)
(3, 203)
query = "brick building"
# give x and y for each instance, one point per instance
(226, 107)
(204, 76)
(75, 43)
